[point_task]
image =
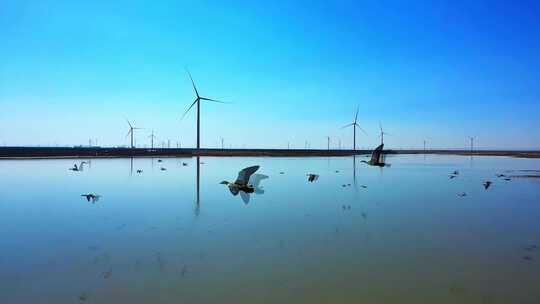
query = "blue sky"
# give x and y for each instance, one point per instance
(435, 70)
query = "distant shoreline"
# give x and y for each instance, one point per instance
(99, 152)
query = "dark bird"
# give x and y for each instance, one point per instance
(163, 168)
(462, 194)
(507, 179)
(91, 197)
(242, 185)
(139, 171)
(455, 172)
(78, 168)
(501, 175)
(452, 176)
(487, 184)
(159, 160)
(377, 157)
(184, 164)
(312, 177)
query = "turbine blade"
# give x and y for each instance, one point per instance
(356, 116)
(345, 126)
(128, 133)
(191, 106)
(209, 99)
(361, 129)
(192, 82)
(129, 123)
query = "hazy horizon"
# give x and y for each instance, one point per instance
(292, 72)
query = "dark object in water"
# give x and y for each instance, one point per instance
(139, 171)
(281, 172)
(91, 197)
(455, 172)
(163, 169)
(312, 177)
(527, 258)
(507, 179)
(184, 164)
(183, 272)
(487, 184)
(364, 215)
(501, 175)
(83, 296)
(159, 160)
(462, 194)
(452, 176)
(531, 248)
(107, 274)
(337, 171)
(363, 186)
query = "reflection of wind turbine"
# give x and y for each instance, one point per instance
(198, 102)
(382, 133)
(130, 132)
(355, 125)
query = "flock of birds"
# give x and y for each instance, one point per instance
(247, 181)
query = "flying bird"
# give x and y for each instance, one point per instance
(139, 171)
(78, 168)
(487, 184)
(312, 177)
(377, 157)
(91, 197)
(242, 181)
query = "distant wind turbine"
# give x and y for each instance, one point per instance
(382, 133)
(355, 125)
(152, 136)
(471, 138)
(130, 132)
(328, 143)
(198, 102)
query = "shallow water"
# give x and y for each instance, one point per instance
(407, 236)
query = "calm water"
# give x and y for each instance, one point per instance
(407, 236)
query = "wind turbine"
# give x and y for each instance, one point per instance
(355, 125)
(328, 143)
(382, 133)
(152, 136)
(131, 128)
(471, 138)
(198, 102)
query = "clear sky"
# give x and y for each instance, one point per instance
(434, 70)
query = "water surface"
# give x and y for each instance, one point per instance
(399, 234)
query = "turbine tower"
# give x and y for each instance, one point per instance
(382, 134)
(328, 143)
(198, 102)
(152, 136)
(130, 132)
(471, 138)
(354, 125)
